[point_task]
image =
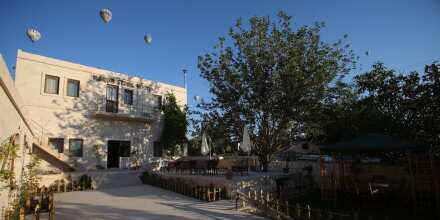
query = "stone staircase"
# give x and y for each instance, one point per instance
(41, 148)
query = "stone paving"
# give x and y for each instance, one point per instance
(140, 202)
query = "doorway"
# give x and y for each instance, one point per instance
(116, 150)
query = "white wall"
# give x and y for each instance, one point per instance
(72, 117)
(13, 119)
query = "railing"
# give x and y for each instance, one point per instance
(267, 205)
(137, 110)
(41, 137)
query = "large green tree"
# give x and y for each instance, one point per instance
(175, 124)
(272, 79)
(384, 101)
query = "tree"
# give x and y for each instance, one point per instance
(175, 124)
(384, 101)
(271, 79)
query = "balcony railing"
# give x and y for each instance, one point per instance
(141, 112)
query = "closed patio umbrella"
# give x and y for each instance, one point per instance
(245, 144)
(205, 147)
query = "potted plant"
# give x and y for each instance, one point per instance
(99, 154)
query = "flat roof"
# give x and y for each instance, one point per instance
(83, 68)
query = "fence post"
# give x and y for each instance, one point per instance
(255, 194)
(277, 205)
(237, 197)
(298, 210)
(287, 208)
(22, 214)
(356, 216)
(318, 214)
(37, 212)
(309, 214)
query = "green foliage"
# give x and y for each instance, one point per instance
(30, 179)
(8, 153)
(383, 101)
(85, 181)
(272, 79)
(175, 124)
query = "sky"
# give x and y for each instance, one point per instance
(404, 34)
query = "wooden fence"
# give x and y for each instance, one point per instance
(42, 200)
(34, 204)
(267, 205)
(205, 193)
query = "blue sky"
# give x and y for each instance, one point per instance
(404, 34)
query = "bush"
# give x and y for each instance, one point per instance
(85, 182)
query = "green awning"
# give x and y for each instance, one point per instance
(374, 143)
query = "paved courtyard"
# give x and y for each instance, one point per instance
(140, 202)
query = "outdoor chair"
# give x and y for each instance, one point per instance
(240, 166)
(184, 165)
(201, 166)
(212, 166)
(171, 166)
(224, 165)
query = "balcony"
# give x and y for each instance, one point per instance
(138, 112)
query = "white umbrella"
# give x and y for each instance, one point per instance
(245, 144)
(205, 147)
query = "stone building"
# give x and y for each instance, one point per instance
(86, 118)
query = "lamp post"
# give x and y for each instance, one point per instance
(184, 77)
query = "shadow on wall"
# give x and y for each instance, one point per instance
(76, 118)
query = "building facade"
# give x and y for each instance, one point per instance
(91, 118)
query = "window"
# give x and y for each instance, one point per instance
(158, 101)
(51, 84)
(112, 99)
(57, 144)
(76, 147)
(157, 149)
(72, 88)
(128, 97)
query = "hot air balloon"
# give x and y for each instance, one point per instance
(148, 39)
(33, 34)
(106, 15)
